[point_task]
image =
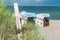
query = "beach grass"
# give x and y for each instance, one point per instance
(30, 32)
(7, 26)
(7, 23)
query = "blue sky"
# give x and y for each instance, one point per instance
(34, 2)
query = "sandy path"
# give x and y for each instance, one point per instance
(52, 32)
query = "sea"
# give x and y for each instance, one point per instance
(54, 11)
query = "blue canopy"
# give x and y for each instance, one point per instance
(31, 15)
(46, 14)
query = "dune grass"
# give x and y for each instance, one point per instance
(30, 32)
(7, 26)
(7, 22)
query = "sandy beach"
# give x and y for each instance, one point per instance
(51, 32)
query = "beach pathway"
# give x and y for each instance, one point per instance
(52, 32)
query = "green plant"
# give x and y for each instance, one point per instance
(30, 32)
(7, 22)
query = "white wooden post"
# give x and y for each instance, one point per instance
(17, 16)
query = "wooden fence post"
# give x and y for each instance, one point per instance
(18, 23)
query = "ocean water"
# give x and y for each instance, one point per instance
(54, 11)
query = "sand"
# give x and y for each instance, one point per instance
(51, 32)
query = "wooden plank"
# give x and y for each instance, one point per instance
(17, 16)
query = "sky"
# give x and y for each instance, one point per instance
(34, 2)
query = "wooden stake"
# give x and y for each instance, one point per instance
(17, 16)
